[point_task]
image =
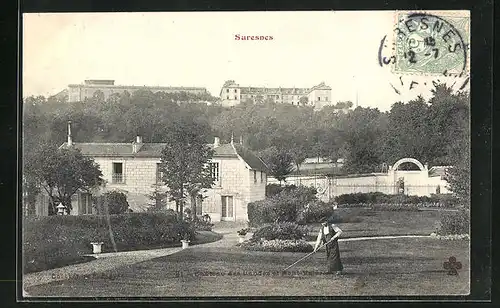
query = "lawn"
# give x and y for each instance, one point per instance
(372, 267)
(357, 222)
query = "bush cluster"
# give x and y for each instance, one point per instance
(274, 189)
(287, 205)
(278, 246)
(363, 199)
(53, 241)
(454, 222)
(117, 202)
(280, 231)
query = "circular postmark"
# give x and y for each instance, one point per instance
(427, 49)
(427, 44)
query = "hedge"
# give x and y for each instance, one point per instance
(53, 241)
(454, 222)
(285, 206)
(444, 200)
(280, 231)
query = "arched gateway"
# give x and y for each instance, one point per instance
(408, 160)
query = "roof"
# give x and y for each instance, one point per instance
(321, 86)
(154, 150)
(159, 88)
(250, 158)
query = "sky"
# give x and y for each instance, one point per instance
(199, 49)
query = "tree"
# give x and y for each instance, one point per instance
(116, 201)
(185, 161)
(62, 173)
(303, 100)
(279, 161)
(158, 199)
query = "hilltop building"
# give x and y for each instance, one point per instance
(79, 92)
(318, 96)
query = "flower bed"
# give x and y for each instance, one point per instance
(450, 237)
(277, 245)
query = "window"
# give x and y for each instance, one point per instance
(227, 90)
(319, 98)
(326, 98)
(235, 90)
(235, 97)
(159, 174)
(117, 176)
(228, 97)
(255, 176)
(214, 171)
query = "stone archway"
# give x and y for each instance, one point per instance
(408, 160)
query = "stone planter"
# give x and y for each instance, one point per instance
(185, 244)
(97, 247)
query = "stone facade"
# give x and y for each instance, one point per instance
(232, 94)
(79, 92)
(133, 170)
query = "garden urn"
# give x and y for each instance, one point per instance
(97, 247)
(241, 238)
(185, 244)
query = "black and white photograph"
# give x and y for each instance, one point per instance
(246, 154)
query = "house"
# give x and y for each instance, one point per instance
(133, 168)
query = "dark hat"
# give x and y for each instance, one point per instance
(328, 219)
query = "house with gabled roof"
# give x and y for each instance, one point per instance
(133, 168)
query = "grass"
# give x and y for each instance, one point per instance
(372, 267)
(356, 222)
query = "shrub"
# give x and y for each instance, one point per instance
(53, 241)
(117, 202)
(278, 246)
(284, 206)
(201, 224)
(274, 189)
(381, 198)
(260, 212)
(281, 231)
(454, 222)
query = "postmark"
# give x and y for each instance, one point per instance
(431, 44)
(427, 48)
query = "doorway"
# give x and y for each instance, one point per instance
(227, 208)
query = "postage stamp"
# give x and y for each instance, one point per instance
(431, 43)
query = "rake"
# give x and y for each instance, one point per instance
(311, 253)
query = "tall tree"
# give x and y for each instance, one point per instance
(62, 173)
(185, 161)
(279, 161)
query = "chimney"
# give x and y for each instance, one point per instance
(136, 146)
(216, 142)
(70, 141)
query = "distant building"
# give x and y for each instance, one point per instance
(79, 92)
(318, 96)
